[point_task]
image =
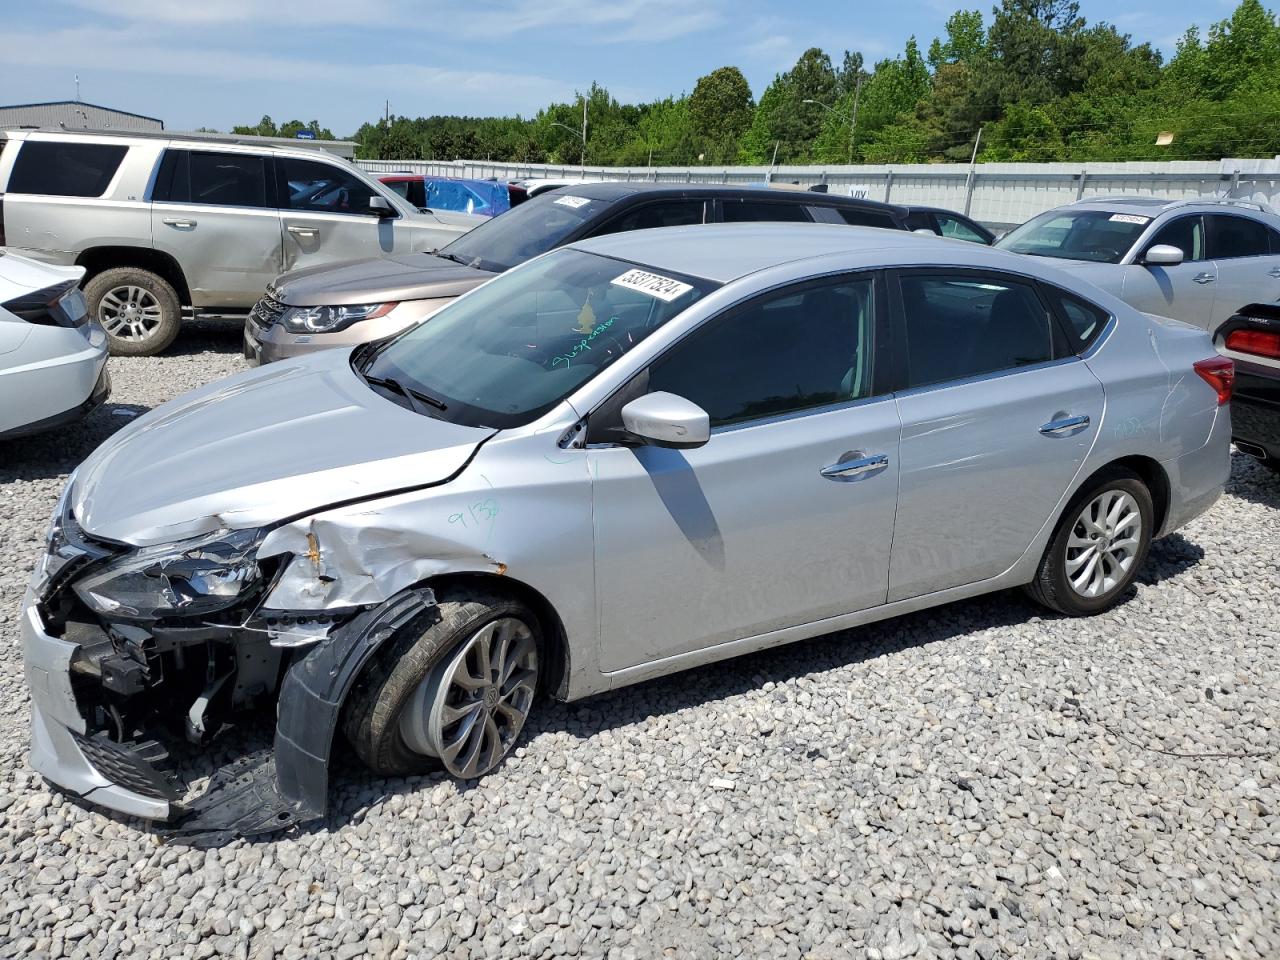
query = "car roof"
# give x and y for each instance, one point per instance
(619, 189)
(725, 252)
(1154, 206)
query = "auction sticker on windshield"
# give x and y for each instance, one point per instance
(654, 284)
(574, 202)
(1128, 218)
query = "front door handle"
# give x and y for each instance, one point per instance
(1056, 428)
(298, 231)
(1204, 278)
(179, 222)
(855, 466)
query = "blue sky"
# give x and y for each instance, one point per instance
(216, 63)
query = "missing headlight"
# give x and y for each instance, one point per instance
(188, 578)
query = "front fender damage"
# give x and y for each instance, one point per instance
(289, 784)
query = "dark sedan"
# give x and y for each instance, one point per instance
(1252, 339)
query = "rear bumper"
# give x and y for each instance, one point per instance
(86, 371)
(60, 745)
(1197, 479)
(1255, 413)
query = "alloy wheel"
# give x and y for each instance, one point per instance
(1104, 543)
(472, 707)
(129, 313)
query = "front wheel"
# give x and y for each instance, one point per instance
(1100, 545)
(455, 695)
(139, 310)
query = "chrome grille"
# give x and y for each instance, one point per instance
(267, 311)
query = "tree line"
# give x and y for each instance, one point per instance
(1038, 81)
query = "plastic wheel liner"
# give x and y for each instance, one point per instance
(288, 784)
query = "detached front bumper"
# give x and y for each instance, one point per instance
(63, 752)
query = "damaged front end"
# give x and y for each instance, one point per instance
(135, 655)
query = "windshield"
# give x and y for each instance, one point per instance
(508, 352)
(1095, 235)
(523, 233)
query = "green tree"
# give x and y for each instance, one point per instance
(720, 110)
(966, 40)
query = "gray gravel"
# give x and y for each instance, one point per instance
(974, 781)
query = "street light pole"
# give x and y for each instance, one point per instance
(853, 119)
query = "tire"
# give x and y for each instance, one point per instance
(139, 310)
(395, 716)
(1053, 586)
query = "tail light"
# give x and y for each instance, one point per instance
(1219, 373)
(1260, 343)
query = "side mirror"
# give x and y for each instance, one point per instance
(381, 206)
(1163, 255)
(925, 230)
(666, 420)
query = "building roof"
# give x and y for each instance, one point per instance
(79, 103)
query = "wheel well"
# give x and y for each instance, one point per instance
(1152, 475)
(97, 259)
(556, 677)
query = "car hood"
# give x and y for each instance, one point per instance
(408, 276)
(256, 448)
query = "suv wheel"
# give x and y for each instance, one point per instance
(1100, 545)
(138, 309)
(455, 695)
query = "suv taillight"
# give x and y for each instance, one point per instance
(1219, 373)
(1261, 343)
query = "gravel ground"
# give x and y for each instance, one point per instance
(974, 781)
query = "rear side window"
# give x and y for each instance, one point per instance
(785, 352)
(1231, 237)
(664, 213)
(756, 211)
(1185, 233)
(967, 326)
(871, 218)
(212, 179)
(1085, 321)
(957, 229)
(56, 168)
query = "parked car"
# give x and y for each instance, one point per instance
(948, 223)
(633, 455)
(484, 198)
(53, 357)
(1252, 339)
(1198, 261)
(343, 304)
(164, 225)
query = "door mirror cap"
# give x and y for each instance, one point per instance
(1163, 255)
(666, 420)
(381, 207)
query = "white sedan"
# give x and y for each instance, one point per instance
(53, 359)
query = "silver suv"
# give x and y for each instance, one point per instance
(165, 225)
(1194, 260)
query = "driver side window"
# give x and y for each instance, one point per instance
(309, 185)
(796, 349)
(1185, 233)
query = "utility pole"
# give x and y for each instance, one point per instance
(971, 180)
(387, 113)
(582, 165)
(853, 120)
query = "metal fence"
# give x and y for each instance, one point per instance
(1000, 194)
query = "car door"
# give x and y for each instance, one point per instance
(1186, 291)
(325, 215)
(1240, 247)
(215, 213)
(786, 515)
(997, 417)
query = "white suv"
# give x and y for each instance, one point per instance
(161, 223)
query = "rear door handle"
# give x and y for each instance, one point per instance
(1057, 427)
(179, 222)
(1204, 278)
(298, 231)
(854, 466)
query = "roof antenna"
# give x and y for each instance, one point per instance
(77, 88)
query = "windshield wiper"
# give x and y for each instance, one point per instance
(454, 257)
(415, 397)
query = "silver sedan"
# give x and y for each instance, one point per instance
(627, 457)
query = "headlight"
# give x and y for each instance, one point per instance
(331, 319)
(187, 578)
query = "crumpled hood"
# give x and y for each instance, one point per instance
(407, 276)
(258, 447)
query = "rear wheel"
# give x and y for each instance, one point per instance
(1100, 545)
(139, 310)
(455, 695)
